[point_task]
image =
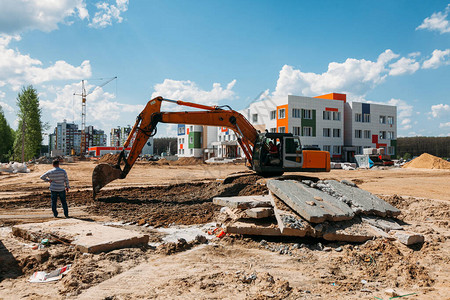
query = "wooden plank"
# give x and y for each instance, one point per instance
(313, 205)
(288, 221)
(243, 202)
(361, 201)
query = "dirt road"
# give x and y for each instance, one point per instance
(229, 268)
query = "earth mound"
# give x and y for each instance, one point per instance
(428, 161)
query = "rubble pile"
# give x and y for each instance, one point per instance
(331, 210)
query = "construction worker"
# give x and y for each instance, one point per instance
(59, 185)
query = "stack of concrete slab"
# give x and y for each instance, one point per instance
(332, 210)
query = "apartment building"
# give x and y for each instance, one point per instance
(66, 138)
(195, 140)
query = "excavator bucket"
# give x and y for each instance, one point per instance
(102, 175)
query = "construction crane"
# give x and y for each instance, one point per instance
(83, 95)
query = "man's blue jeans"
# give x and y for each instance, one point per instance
(62, 197)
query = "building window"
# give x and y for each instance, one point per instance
(336, 132)
(336, 150)
(326, 132)
(307, 114)
(390, 150)
(382, 135)
(181, 130)
(296, 130)
(191, 151)
(327, 115)
(327, 148)
(255, 118)
(282, 129)
(358, 134)
(307, 131)
(281, 113)
(367, 134)
(390, 135)
(273, 114)
(296, 113)
(220, 138)
(366, 118)
(336, 116)
(359, 150)
(191, 140)
(191, 128)
(273, 130)
(382, 119)
(390, 120)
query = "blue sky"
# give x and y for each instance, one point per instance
(226, 52)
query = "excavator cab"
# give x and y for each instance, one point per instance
(276, 153)
(289, 156)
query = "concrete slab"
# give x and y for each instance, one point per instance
(349, 231)
(85, 236)
(259, 212)
(384, 224)
(288, 221)
(253, 227)
(243, 202)
(408, 238)
(313, 205)
(361, 201)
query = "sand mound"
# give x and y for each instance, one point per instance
(109, 159)
(428, 161)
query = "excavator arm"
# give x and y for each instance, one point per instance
(146, 124)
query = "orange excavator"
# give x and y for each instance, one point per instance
(262, 156)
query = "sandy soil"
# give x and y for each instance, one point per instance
(228, 268)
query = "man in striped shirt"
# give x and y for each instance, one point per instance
(59, 185)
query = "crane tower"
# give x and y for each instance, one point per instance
(84, 95)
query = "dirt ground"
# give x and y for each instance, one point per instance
(234, 267)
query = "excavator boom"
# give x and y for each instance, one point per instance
(145, 127)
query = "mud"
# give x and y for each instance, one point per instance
(187, 203)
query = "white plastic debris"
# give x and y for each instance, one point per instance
(52, 276)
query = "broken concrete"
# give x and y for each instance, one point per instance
(288, 222)
(313, 205)
(384, 224)
(243, 202)
(361, 201)
(348, 231)
(253, 227)
(408, 238)
(85, 236)
(259, 212)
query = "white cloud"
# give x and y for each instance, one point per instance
(444, 125)
(18, 69)
(440, 110)
(101, 107)
(403, 66)
(5, 106)
(354, 77)
(45, 15)
(438, 21)
(437, 59)
(189, 91)
(414, 54)
(108, 13)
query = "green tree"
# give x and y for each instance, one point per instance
(6, 138)
(29, 134)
